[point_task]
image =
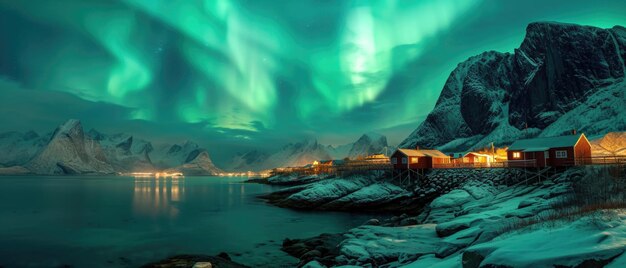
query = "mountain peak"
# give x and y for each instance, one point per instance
(70, 127)
(70, 124)
(560, 72)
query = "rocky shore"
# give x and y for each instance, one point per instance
(222, 260)
(372, 193)
(477, 223)
(290, 179)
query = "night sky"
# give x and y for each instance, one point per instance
(236, 75)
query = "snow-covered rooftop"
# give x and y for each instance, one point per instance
(542, 144)
(431, 153)
(477, 154)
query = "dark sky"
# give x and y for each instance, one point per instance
(236, 75)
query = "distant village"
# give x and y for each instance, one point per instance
(540, 153)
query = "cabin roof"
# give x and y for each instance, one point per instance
(545, 143)
(430, 153)
(477, 154)
(338, 162)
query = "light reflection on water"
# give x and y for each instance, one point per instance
(126, 222)
(154, 196)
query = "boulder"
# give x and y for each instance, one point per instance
(374, 222)
(449, 228)
(204, 264)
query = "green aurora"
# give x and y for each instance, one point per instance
(236, 74)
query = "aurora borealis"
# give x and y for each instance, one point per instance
(237, 73)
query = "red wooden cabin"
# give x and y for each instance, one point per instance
(417, 159)
(560, 151)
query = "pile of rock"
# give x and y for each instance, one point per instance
(222, 260)
(441, 181)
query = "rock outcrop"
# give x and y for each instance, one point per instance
(368, 192)
(222, 260)
(562, 77)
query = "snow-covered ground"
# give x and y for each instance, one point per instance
(481, 224)
(369, 192)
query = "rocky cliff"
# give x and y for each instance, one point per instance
(562, 77)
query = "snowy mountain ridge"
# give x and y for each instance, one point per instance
(309, 150)
(562, 77)
(70, 150)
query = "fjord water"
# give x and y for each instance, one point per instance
(126, 222)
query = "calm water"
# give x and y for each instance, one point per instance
(125, 222)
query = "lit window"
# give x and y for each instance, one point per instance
(404, 160)
(517, 155)
(413, 160)
(561, 154)
(394, 160)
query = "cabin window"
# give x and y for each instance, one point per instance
(561, 154)
(404, 160)
(413, 160)
(517, 154)
(394, 160)
(546, 154)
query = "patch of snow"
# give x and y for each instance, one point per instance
(567, 245)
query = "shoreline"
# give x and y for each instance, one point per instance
(458, 224)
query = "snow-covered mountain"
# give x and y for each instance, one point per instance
(69, 150)
(127, 153)
(339, 151)
(18, 148)
(197, 162)
(370, 143)
(252, 160)
(562, 77)
(307, 151)
(297, 154)
(124, 152)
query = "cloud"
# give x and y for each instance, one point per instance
(253, 73)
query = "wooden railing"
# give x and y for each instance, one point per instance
(600, 160)
(322, 169)
(499, 164)
(531, 163)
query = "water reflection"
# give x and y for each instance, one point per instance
(158, 196)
